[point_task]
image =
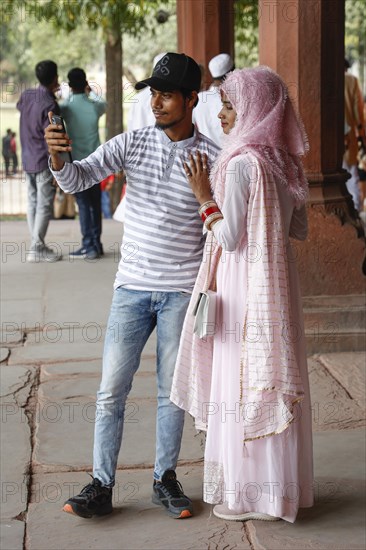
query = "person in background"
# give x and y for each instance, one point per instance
(139, 116)
(6, 150)
(13, 153)
(247, 383)
(209, 104)
(354, 130)
(81, 112)
(106, 185)
(140, 113)
(34, 105)
(63, 206)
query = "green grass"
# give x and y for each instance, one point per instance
(12, 217)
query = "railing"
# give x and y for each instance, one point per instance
(13, 194)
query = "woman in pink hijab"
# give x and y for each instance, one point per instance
(247, 384)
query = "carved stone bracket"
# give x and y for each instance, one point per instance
(343, 210)
(329, 194)
(331, 260)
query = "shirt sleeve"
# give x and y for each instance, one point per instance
(229, 231)
(108, 159)
(54, 107)
(101, 107)
(299, 224)
(99, 103)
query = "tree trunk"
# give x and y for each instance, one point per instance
(113, 61)
(114, 122)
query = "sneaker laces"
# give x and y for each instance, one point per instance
(174, 487)
(92, 489)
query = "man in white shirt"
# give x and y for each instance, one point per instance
(209, 105)
(140, 113)
(160, 255)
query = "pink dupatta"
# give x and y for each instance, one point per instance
(270, 383)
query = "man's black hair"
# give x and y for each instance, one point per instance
(77, 79)
(187, 94)
(46, 71)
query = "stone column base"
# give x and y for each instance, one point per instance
(332, 259)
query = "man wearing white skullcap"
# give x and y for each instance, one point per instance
(209, 105)
(140, 113)
(139, 116)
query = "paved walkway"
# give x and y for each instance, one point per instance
(53, 321)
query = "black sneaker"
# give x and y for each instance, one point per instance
(100, 249)
(94, 500)
(169, 493)
(84, 254)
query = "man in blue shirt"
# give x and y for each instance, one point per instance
(81, 112)
(34, 105)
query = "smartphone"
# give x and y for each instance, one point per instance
(56, 119)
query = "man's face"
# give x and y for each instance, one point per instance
(169, 108)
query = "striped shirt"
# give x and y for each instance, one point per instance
(162, 243)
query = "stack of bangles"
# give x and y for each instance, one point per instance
(210, 213)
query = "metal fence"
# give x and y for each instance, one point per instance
(13, 194)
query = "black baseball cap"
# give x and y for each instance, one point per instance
(174, 71)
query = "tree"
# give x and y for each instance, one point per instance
(158, 38)
(246, 32)
(23, 44)
(114, 17)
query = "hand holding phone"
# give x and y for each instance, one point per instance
(58, 120)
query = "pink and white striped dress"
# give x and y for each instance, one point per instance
(271, 474)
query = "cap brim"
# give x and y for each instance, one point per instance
(157, 84)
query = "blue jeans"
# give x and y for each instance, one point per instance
(134, 315)
(41, 193)
(90, 215)
(106, 204)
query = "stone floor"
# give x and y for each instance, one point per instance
(53, 322)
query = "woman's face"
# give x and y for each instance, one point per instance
(227, 115)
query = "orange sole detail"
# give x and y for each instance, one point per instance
(185, 514)
(68, 508)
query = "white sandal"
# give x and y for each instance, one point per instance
(222, 511)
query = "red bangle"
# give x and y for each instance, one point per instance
(208, 212)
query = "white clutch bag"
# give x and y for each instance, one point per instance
(204, 310)
(205, 314)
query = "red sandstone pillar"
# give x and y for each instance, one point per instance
(205, 29)
(303, 40)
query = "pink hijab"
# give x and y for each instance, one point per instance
(269, 373)
(271, 130)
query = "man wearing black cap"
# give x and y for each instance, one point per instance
(81, 112)
(161, 252)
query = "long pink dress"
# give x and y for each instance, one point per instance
(272, 475)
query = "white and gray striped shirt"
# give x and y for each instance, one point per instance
(162, 243)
